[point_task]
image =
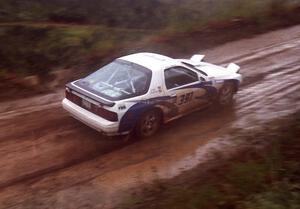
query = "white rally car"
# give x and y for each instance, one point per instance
(141, 91)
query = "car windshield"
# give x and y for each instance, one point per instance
(118, 80)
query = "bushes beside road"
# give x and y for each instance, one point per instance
(39, 48)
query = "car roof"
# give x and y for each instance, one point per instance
(152, 61)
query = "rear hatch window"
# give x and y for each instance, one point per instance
(118, 80)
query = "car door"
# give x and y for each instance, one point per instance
(183, 84)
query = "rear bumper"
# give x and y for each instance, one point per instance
(90, 119)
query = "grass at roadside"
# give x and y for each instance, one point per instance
(255, 179)
(37, 48)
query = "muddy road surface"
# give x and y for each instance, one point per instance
(50, 160)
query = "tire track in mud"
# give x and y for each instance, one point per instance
(12, 109)
(28, 110)
(273, 95)
(287, 79)
(269, 63)
(264, 52)
(43, 146)
(268, 100)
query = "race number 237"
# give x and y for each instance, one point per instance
(185, 98)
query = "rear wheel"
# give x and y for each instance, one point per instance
(226, 93)
(148, 124)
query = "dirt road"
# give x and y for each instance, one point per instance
(49, 160)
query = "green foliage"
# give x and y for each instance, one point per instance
(2, 73)
(207, 196)
(20, 51)
(125, 13)
(139, 14)
(245, 178)
(133, 200)
(36, 49)
(282, 195)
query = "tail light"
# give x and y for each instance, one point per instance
(72, 97)
(108, 115)
(98, 110)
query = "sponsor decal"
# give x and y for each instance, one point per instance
(153, 91)
(159, 89)
(185, 98)
(122, 107)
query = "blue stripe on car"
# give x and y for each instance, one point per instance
(133, 114)
(206, 85)
(131, 117)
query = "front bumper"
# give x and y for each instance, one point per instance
(90, 119)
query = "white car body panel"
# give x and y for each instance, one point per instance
(173, 102)
(90, 119)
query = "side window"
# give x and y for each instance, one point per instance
(179, 76)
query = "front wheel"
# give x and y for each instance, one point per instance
(149, 124)
(226, 93)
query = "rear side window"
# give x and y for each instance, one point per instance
(179, 76)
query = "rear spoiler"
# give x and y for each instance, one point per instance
(92, 96)
(196, 58)
(234, 68)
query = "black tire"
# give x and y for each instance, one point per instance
(148, 124)
(225, 97)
